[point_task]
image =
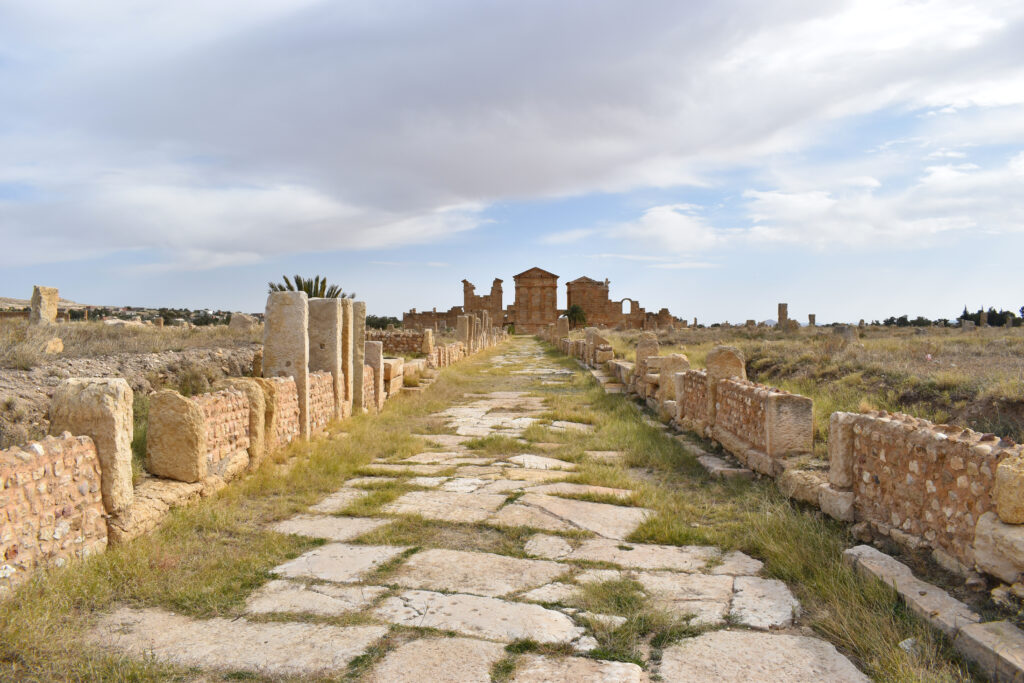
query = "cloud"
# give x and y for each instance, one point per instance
(672, 227)
(567, 236)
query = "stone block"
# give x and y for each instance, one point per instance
(840, 449)
(561, 328)
(802, 485)
(1008, 491)
(671, 365)
(100, 408)
(428, 342)
(836, 504)
(241, 321)
(176, 438)
(254, 392)
(374, 354)
(997, 647)
(326, 320)
(999, 548)
(44, 303)
(358, 354)
(286, 346)
(789, 424)
(725, 362)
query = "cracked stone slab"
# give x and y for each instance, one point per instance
(553, 592)
(685, 558)
(447, 506)
(548, 547)
(522, 515)
(431, 458)
(483, 617)
(503, 486)
(339, 500)
(476, 573)
(463, 484)
(541, 462)
(752, 656)
(390, 468)
(445, 440)
(535, 475)
(612, 521)
(565, 488)
(763, 603)
(331, 528)
(427, 482)
(338, 562)
(439, 660)
(323, 599)
(702, 595)
(737, 563)
(545, 669)
(272, 649)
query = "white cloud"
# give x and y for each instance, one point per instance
(675, 228)
(566, 236)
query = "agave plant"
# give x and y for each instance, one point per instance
(316, 287)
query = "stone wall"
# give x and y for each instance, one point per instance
(51, 508)
(369, 386)
(398, 342)
(321, 400)
(286, 411)
(692, 399)
(226, 417)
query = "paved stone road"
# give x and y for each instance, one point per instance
(474, 602)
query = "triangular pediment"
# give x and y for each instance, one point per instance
(585, 281)
(536, 272)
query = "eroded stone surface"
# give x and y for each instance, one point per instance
(476, 573)
(338, 562)
(440, 660)
(612, 521)
(689, 558)
(276, 648)
(552, 592)
(447, 506)
(541, 462)
(548, 669)
(324, 599)
(763, 603)
(332, 528)
(550, 547)
(705, 596)
(565, 488)
(737, 563)
(522, 515)
(761, 657)
(339, 500)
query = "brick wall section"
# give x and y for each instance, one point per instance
(321, 400)
(368, 387)
(931, 481)
(50, 505)
(693, 404)
(226, 414)
(398, 342)
(741, 411)
(287, 410)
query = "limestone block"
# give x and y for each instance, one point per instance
(670, 365)
(43, 305)
(646, 347)
(269, 416)
(802, 485)
(257, 363)
(1008, 491)
(241, 321)
(996, 646)
(789, 424)
(286, 345)
(562, 327)
(428, 342)
(326, 320)
(374, 354)
(725, 362)
(176, 438)
(358, 353)
(836, 504)
(257, 415)
(840, 449)
(999, 548)
(100, 408)
(52, 346)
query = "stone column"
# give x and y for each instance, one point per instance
(100, 408)
(428, 342)
(325, 323)
(44, 305)
(374, 352)
(812, 320)
(783, 315)
(358, 354)
(462, 330)
(561, 328)
(346, 351)
(286, 346)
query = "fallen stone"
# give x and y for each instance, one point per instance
(338, 562)
(439, 660)
(540, 462)
(548, 669)
(521, 515)
(763, 603)
(446, 506)
(612, 521)
(331, 528)
(760, 657)
(547, 546)
(687, 558)
(478, 616)
(476, 573)
(323, 599)
(271, 649)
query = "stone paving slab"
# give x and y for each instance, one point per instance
(331, 528)
(323, 599)
(522, 515)
(339, 500)
(547, 546)
(541, 462)
(749, 657)
(272, 649)
(737, 563)
(482, 471)
(483, 617)
(686, 558)
(463, 484)
(370, 481)
(432, 458)
(504, 486)
(445, 440)
(565, 426)
(704, 596)
(338, 562)
(447, 506)
(535, 475)
(439, 660)
(763, 603)
(611, 521)
(548, 669)
(565, 488)
(475, 573)
(389, 468)
(553, 592)
(427, 482)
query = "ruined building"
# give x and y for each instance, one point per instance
(536, 305)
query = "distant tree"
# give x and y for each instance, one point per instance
(380, 322)
(576, 315)
(316, 287)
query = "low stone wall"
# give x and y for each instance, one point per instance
(692, 399)
(369, 387)
(398, 342)
(321, 400)
(394, 370)
(286, 410)
(226, 418)
(51, 508)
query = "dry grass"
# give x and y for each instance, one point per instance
(21, 345)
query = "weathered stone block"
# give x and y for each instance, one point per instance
(254, 392)
(347, 316)
(836, 504)
(286, 345)
(999, 548)
(358, 354)
(325, 328)
(428, 342)
(789, 424)
(44, 303)
(802, 485)
(840, 449)
(725, 362)
(670, 365)
(100, 408)
(1008, 490)
(996, 646)
(176, 438)
(374, 354)
(241, 321)
(561, 327)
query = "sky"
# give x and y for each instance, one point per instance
(855, 159)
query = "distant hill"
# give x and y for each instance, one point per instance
(7, 302)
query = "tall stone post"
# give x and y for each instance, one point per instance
(374, 351)
(325, 323)
(783, 315)
(428, 342)
(43, 305)
(982, 318)
(462, 332)
(561, 328)
(346, 352)
(358, 354)
(286, 346)
(812, 320)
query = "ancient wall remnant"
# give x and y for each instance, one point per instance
(286, 346)
(176, 437)
(226, 426)
(358, 353)
(321, 400)
(257, 393)
(347, 353)
(43, 306)
(402, 342)
(286, 410)
(51, 509)
(375, 360)
(473, 304)
(325, 348)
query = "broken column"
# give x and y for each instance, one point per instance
(43, 305)
(462, 333)
(346, 354)
(358, 354)
(100, 408)
(374, 351)
(325, 323)
(783, 316)
(428, 342)
(722, 362)
(286, 346)
(812, 320)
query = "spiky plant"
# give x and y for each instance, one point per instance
(316, 287)
(576, 315)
